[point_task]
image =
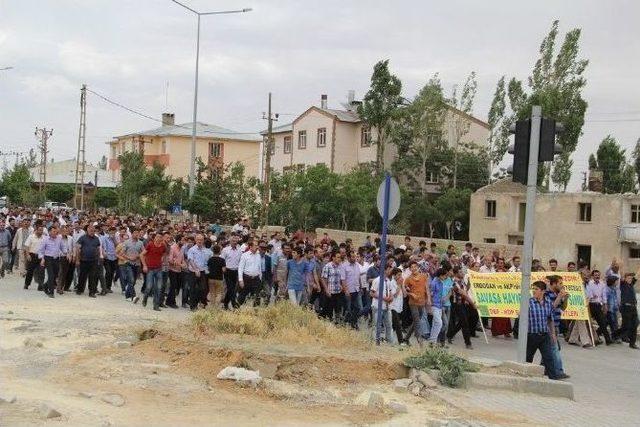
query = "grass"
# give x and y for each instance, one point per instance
(283, 322)
(451, 367)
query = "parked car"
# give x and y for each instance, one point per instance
(55, 206)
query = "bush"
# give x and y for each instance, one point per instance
(282, 321)
(451, 367)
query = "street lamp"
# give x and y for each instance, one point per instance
(192, 169)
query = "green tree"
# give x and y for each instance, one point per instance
(360, 191)
(102, 164)
(380, 105)
(61, 193)
(417, 133)
(141, 189)
(499, 126)
(556, 84)
(611, 160)
(636, 160)
(105, 198)
(453, 205)
(16, 183)
(460, 124)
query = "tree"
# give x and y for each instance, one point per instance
(556, 84)
(16, 183)
(453, 205)
(141, 189)
(418, 135)
(636, 160)
(380, 105)
(105, 198)
(460, 123)
(31, 159)
(360, 191)
(499, 126)
(102, 164)
(60, 193)
(617, 175)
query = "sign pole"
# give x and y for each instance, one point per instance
(383, 253)
(529, 228)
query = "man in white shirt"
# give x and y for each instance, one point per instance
(515, 264)
(250, 274)
(231, 255)
(389, 291)
(31, 248)
(487, 266)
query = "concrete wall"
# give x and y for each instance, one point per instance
(312, 155)
(358, 238)
(280, 160)
(558, 229)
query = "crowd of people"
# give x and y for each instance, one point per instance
(425, 294)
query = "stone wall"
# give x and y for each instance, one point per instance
(358, 238)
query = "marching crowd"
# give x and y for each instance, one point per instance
(193, 265)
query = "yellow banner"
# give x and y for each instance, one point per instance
(498, 294)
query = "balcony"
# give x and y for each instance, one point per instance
(162, 159)
(629, 233)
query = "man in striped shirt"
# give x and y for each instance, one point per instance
(541, 334)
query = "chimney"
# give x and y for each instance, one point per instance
(596, 181)
(323, 102)
(168, 119)
(351, 96)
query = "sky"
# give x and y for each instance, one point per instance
(142, 55)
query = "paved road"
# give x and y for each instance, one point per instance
(606, 383)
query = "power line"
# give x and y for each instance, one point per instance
(146, 116)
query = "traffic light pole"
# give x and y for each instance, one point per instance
(529, 226)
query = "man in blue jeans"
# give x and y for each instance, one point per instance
(541, 334)
(351, 271)
(151, 259)
(558, 297)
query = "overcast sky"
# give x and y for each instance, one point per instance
(130, 50)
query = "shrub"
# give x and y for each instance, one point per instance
(451, 367)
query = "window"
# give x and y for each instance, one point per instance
(365, 137)
(322, 137)
(634, 253)
(635, 214)
(302, 140)
(489, 240)
(163, 147)
(490, 209)
(432, 178)
(215, 149)
(584, 212)
(287, 144)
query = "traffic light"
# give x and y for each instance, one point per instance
(547, 148)
(520, 151)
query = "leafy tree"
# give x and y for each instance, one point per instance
(60, 192)
(102, 164)
(636, 160)
(453, 205)
(141, 189)
(460, 124)
(616, 173)
(105, 198)
(556, 84)
(418, 135)
(499, 125)
(31, 159)
(16, 183)
(360, 192)
(380, 105)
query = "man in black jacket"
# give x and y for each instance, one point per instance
(628, 310)
(267, 273)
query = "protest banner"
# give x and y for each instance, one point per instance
(498, 294)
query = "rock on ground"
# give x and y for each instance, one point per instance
(376, 401)
(397, 407)
(47, 412)
(401, 384)
(240, 375)
(114, 399)
(415, 388)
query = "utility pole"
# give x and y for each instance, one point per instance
(43, 136)
(80, 156)
(267, 164)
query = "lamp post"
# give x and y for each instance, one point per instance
(192, 168)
